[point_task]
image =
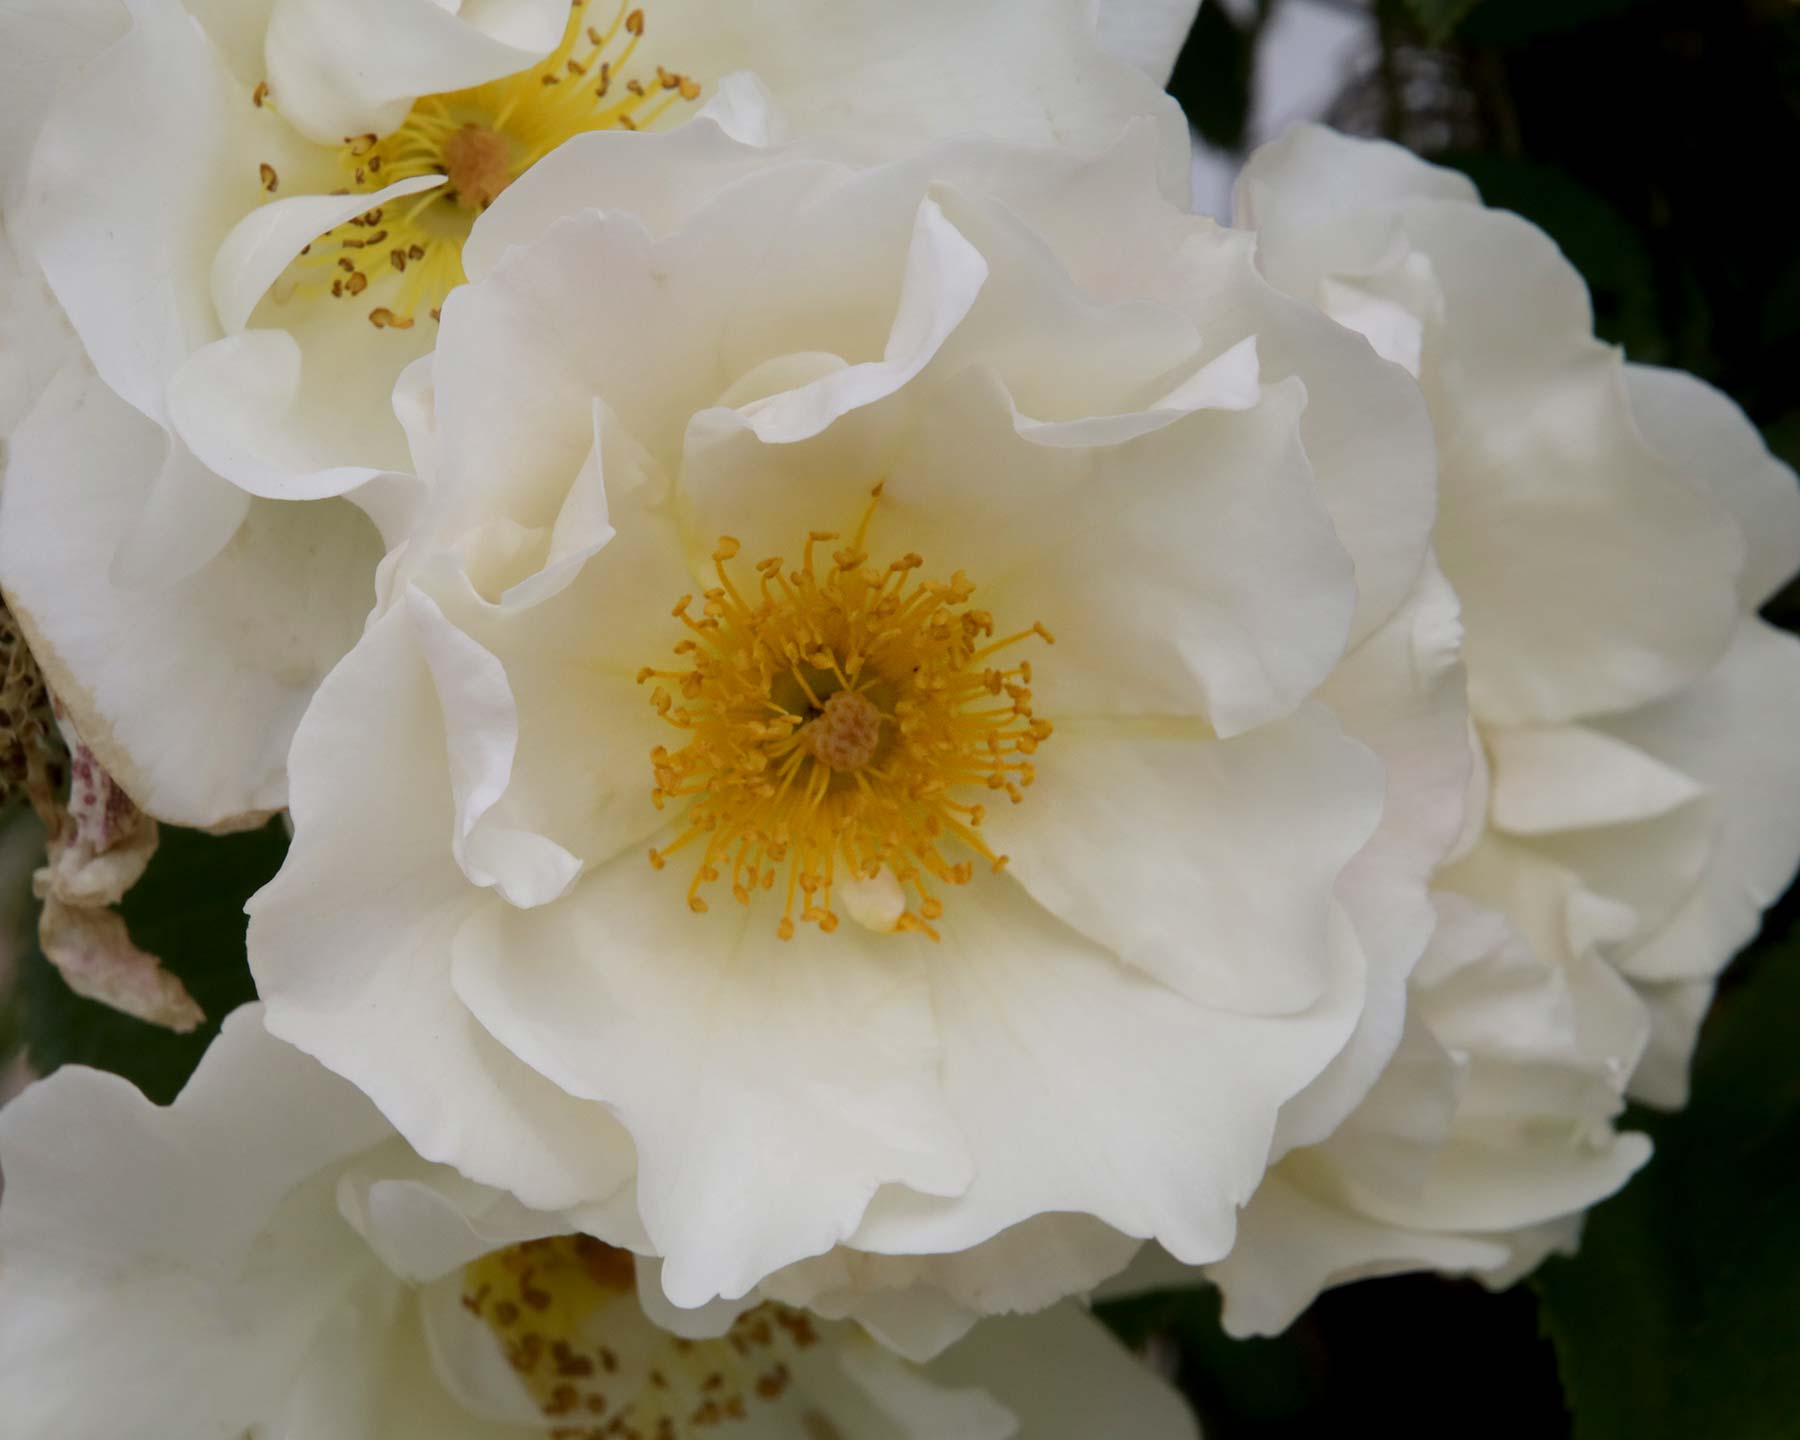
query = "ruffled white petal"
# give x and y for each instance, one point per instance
(1703, 430)
(47, 42)
(345, 67)
(188, 692)
(1150, 838)
(371, 792)
(1149, 33)
(1066, 1378)
(1595, 572)
(124, 1225)
(919, 1304)
(1400, 693)
(709, 1038)
(1084, 1086)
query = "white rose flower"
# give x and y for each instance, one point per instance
(265, 1256)
(1611, 530)
(251, 213)
(708, 817)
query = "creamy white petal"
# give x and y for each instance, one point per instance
(1084, 1086)
(47, 43)
(1676, 1012)
(1066, 1378)
(1731, 733)
(123, 1221)
(1595, 572)
(708, 1037)
(371, 790)
(661, 177)
(1149, 33)
(919, 1304)
(1400, 692)
(343, 67)
(873, 78)
(140, 172)
(1150, 838)
(1293, 1245)
(188, 692)
(1365, 426)
(1704, 430)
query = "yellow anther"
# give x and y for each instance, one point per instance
(831, 719)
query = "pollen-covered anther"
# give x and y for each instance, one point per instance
(565, 1314)
(834, 716)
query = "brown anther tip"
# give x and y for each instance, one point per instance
(696, 904)
(727, 549)
(1039, 627)
(259, 94)
(634, 22)
(269, 178)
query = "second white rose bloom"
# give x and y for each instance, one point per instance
(917, 703)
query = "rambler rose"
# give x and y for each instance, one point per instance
(917, 705)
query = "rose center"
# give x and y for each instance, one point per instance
(565, 1314)
(837, 717)
(845, 734)
(402, 259)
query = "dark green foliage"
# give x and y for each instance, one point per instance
(188, 910)
(1681, 1315)
(1439, 18)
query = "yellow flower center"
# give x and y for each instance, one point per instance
(835, 715)
(566, 1315)
(481, 140)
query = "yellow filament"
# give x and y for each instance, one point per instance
(482, 138)
(832, 716)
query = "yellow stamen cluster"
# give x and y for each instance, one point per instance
(833, 714)
(565, 1313)
(481, 139)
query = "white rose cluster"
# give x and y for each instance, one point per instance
(883, 729)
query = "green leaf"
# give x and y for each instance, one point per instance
(1508, 23)
(188, 910)
(1678, 1317)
